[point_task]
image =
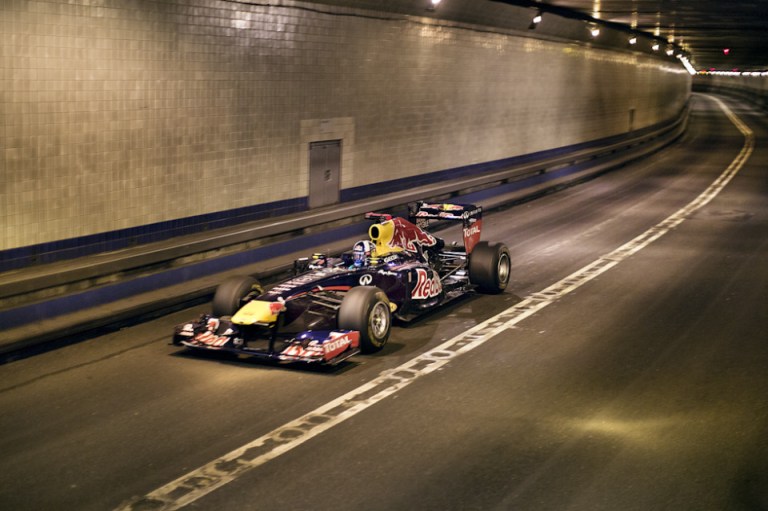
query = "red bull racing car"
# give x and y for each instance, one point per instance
(334, 308)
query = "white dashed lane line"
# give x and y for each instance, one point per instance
(204, 480)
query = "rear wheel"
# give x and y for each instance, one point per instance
(489, 267)
(230, 293)
(366, 309)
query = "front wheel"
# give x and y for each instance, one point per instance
(489, 267)
(366, 309)
(230, 293)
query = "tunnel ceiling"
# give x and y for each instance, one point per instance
(704, 28)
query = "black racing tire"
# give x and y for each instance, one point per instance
(489, 267)
(366, 309)
(230, 293)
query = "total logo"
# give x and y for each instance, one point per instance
(426, 287)
(337, 343)
(471, 231)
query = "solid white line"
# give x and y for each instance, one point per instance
(204, 480)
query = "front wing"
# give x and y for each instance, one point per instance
(323, 347)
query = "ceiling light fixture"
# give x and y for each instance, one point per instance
(687, 64)
(535, 21)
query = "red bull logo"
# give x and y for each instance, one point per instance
(426, 287)
(398, 234)
(212, 340)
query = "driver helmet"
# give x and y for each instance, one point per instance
(361, 252)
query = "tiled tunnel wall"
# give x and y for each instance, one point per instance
(116, 114)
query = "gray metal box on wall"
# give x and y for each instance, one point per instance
(324, 172)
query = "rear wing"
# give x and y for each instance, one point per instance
(379, 217)
(442, 211)
(470, 215)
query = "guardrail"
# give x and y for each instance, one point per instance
(54, 294)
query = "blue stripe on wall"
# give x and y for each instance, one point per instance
(61, 250)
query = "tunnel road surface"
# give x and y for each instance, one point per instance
(624, 368)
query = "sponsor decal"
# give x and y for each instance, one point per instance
(470, 214)
(406, 235)
(472, 235)
(298, 350)
(310, 350)
(443, 206)
(448, 211)
(212, 340)
(365, 280)
(426, 286)
(337, 342)
(471, 231)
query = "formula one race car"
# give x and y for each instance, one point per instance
(334, 308)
